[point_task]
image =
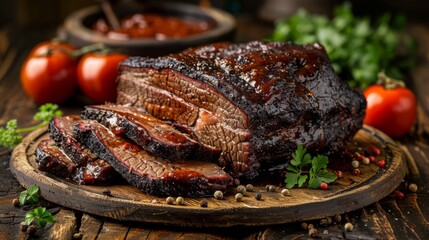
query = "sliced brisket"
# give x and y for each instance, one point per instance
(152, 175)
(50, 158)
(154, 135)
(254, 101)
(91, 169)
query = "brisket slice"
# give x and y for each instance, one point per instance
(254, 101)
(50, 158)
(91, 169)
(152, 134)
(61, 131)
(152, 175)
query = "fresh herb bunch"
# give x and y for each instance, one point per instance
(303, 166)
(40, 216)
(10, 136)
(31, 195)
(357, 48)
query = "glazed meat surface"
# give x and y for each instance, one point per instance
(254, 101)
(153, 175)
(152, 134)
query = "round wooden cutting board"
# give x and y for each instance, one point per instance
(129, 204)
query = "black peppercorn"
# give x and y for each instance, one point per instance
(107, 192)
(258, 196)
(204, 203)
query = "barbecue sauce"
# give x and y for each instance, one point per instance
(157, 26)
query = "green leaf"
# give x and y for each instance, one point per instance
(46, 112)
(29, 217)
(301, 180)
(291, 179)
(23, 197)
(9, 137)
(31, 195)
(40, 216)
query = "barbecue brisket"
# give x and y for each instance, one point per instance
(254, 101)
(152, 175)
(152, 134)
(50, 158)
(90, 168)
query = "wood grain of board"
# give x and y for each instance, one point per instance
(129, 204)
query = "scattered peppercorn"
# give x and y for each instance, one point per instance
(381, 163)
(356, 172)
(310, 226)
(23, 226)
(169, 200)
(337, 218)
(324, 222)
(304, 225)
(348, 227)
(367, 153)
(218, 195)
(371, 159)
(339, 174)
(16, 203)
(267, 187)
(355, 164)
(399, 195)
(204, 203)
(323, 186)
(366, 161)
(312, 232)
(31, 229)
(78, 235)
(180, 200)
(272, 188)
(326, 232)
(107, 192)
(412, 187)
(329, 219)
(241, 189)
(249, 187)
(238, 197)
(258, 196)
(375, 151)
(285, 192)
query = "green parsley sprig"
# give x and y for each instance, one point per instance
(358, 47)
(40, 216)
(303, 167)
(31, 195)
(10, 136)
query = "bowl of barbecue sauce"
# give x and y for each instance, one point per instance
(151, 29)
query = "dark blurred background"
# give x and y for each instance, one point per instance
(47, 13)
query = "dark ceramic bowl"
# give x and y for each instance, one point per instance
(77, 28)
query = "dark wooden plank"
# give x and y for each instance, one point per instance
(113, 231)
(90, 227)
(64, 227)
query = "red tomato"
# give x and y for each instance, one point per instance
(393, 111)
(48, 73)
(96, 75)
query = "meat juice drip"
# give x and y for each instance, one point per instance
(157, 26)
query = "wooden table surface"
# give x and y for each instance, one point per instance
(390, 218)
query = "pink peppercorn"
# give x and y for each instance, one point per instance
(381, 163)
(356, 172)
(399, 195)
(371, 159)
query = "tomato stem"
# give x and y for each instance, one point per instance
(97, 47)
(388, 82)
